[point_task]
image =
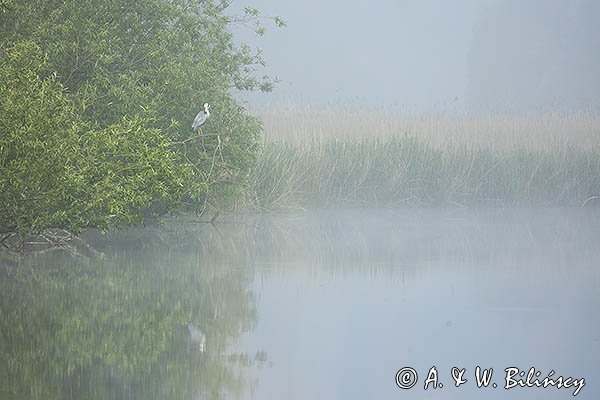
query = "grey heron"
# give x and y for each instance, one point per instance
(201, 118)
(197, 336)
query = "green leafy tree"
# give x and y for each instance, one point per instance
(57, 171)
(124, 79)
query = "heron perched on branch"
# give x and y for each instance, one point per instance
(201, 118)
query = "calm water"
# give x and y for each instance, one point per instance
(310, 306)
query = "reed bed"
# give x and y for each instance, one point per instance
(373, 160)
(545, 132)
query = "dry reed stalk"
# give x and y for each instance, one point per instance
(547, 132)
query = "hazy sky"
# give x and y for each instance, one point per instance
(420, 55)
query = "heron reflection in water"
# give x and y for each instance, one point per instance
(197, 337)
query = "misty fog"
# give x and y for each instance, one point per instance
(418, 194)
(465, 56)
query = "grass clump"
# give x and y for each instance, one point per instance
(402, 170)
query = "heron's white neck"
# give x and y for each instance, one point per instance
(206, 111)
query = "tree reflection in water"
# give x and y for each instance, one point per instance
(117, 327)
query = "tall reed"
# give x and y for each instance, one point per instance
(330, 168)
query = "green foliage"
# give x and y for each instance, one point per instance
(57, 171)
(119, 82)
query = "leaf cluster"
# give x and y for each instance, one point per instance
(58, 171)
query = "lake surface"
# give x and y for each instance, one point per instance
(315, 305)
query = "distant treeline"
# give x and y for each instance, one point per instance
(530, 55)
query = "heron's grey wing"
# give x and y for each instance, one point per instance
(199, 120)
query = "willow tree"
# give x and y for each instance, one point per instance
(127, 77)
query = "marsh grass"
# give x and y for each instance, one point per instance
(544, 132)
(555, 164)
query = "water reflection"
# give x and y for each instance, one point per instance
(118, 327)
(326, 304)
(197, 337)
